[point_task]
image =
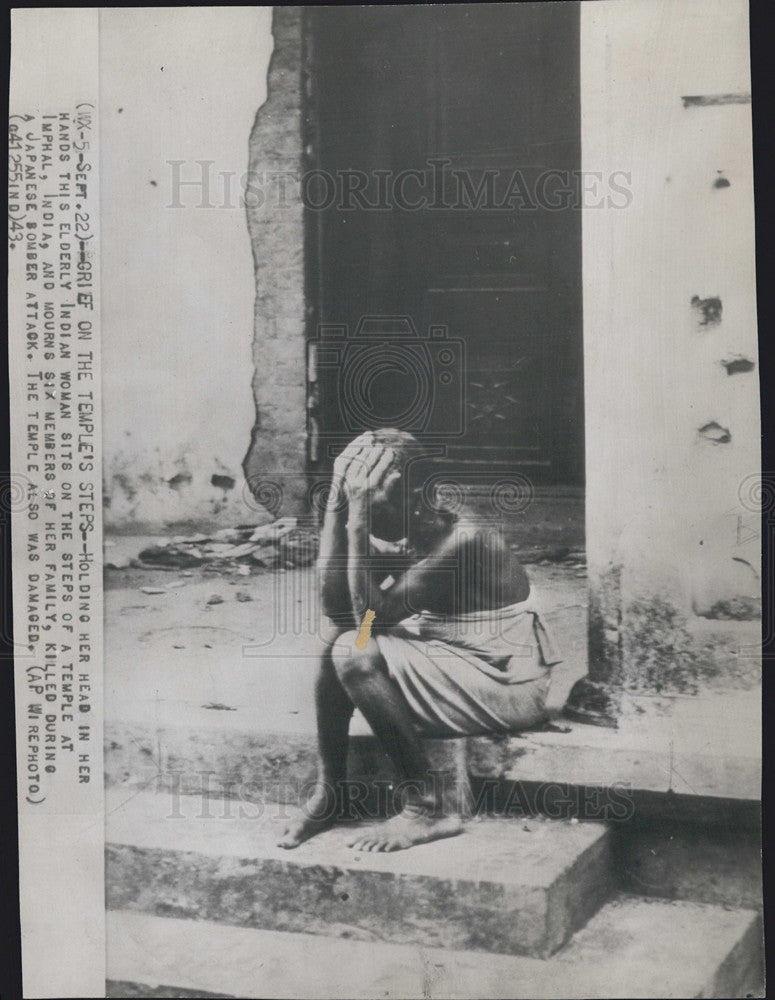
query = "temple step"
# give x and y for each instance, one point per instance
(512, 886)
(632, 948)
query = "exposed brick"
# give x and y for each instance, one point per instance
(276, 229)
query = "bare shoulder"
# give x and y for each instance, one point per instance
(471, 531)
(484, 544)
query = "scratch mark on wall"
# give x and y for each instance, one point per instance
(710, 100)
(709, 310)
(179, 479)
(715, 433)
(738, 364)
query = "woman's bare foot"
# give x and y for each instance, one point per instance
(413, 825)
(318, 814)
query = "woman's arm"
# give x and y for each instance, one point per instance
(332, 558)
(430, 581)
(470, 570)
(332, 564)
(361, 480)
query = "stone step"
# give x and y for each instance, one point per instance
(504, 885)
(632, 948)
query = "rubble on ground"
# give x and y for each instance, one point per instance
(283, 544)
(548, 554)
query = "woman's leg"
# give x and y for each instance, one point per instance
(334, 711)
(363, 675)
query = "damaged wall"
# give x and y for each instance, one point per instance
(178, 84)
(670, 343)
(275, 463)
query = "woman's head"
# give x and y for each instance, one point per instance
(398, 508)
(389, 501)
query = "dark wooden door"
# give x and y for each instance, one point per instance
(444, 233)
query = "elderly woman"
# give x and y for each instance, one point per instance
(447, 643)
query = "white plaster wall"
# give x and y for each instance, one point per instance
(653, 377)
(178, 287)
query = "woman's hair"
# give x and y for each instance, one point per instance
(406, 447)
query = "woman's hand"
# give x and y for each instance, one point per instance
(369, 470)
(338, 493)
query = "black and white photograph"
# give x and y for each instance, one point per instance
(386, 501)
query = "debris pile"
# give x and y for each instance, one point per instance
(573, 559)
(283, 544)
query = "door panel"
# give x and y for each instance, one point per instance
(493, 91)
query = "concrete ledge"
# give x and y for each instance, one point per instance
(581, 757)
(705, 748)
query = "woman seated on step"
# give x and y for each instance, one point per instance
(447, 643)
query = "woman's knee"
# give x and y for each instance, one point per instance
(328, 649)
(340, 648)
(349, 661)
